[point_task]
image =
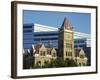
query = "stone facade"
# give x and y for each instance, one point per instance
(66, 41)
(43, 54)
(66, 45)
(80, 57)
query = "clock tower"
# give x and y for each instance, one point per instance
(66, 41)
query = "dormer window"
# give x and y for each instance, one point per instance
(54, 54)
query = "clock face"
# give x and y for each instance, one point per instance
(68, 36)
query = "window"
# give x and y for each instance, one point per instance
(46, 34)
(68, 45)
(54, 54)
(39, 63)
(70, 53)
(66, 54)
(27, 26)
(79, 64)
(42, 53)
(27, 31)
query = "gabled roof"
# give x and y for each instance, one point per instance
(37, 47)
(49, 51)
(77, 52)
(66, 24)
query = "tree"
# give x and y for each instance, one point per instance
(37, 65)
(27, 61)
(46, 64)
(70, 63)
(59, 62)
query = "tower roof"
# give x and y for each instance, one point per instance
(66, 24)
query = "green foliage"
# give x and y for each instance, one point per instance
(37, 65)
(70, 63)
(59, 62)
(46, 64)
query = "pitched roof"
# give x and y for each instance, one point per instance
(49, 51)
(37, 47)
(77, 52)
(66, 24)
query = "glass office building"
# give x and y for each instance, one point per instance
(50, 39)
(28, 38)
(36, 33)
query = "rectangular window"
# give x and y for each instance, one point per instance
(66, 54)
(54, 54)
(70, 53)
(43, 53)
(68, 45)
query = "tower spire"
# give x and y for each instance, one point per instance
(66, 24)
(49, 43)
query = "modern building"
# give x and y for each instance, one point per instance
(50, 39)
(28, 35)
(35, 33)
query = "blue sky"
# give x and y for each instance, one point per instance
(79, 21)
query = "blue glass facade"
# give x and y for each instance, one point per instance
(80, 42)
(50, 39)
(28, 38)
